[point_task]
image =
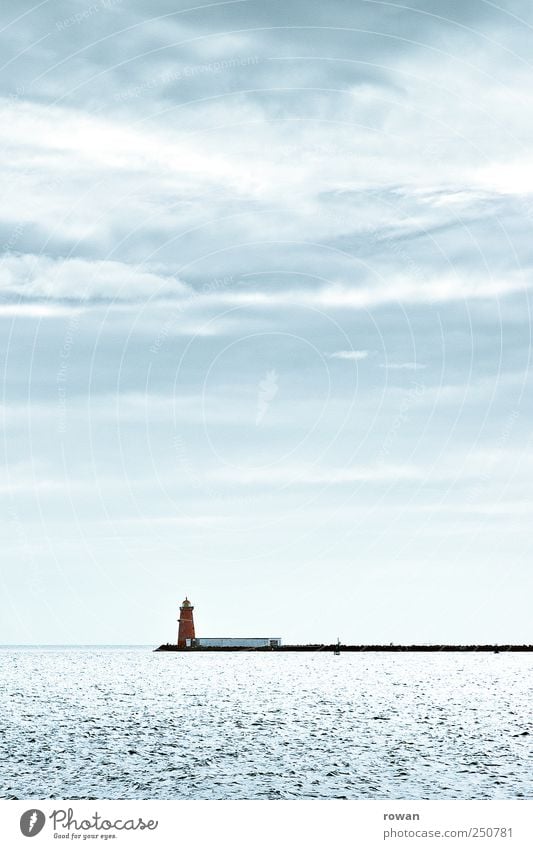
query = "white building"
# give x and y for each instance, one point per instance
(235, 642)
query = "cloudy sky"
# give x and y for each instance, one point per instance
(265, 319)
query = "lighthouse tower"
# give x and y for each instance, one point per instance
(186, 624)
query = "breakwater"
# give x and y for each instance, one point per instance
(340, 648)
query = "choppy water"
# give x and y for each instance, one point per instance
(127, 723)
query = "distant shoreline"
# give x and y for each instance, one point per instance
(333, 647)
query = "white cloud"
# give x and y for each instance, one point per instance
(30, 130)
(34, 276)
(316, 476)
(395, 290)
(400, 366)
(34, 310)
(513, 177)
(349, 355)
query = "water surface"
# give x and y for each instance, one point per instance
(126, 723)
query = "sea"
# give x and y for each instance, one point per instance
(128, 723)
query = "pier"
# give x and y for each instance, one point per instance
(339, 648)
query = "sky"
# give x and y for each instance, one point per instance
(265, 291)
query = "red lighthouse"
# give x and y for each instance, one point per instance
(186, 624)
